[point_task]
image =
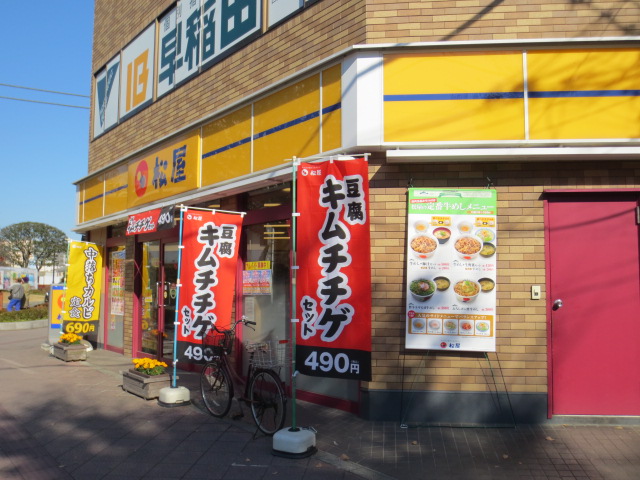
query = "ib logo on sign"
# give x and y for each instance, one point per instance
(142, 178)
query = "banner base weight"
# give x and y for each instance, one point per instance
(174, 397)
(290, 443)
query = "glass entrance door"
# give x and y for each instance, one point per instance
(265, 281)
(168, 288)
(158, 297)
(114, 320)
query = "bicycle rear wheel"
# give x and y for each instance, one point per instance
(216, 389)
(267, 401)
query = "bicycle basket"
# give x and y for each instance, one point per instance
(219, 342)
(269, 354)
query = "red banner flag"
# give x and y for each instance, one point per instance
(208, 268)
(334, 275)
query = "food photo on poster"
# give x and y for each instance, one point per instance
(452, 244)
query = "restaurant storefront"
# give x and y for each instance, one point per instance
(549, 129)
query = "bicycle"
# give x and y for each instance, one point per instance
(263, 390)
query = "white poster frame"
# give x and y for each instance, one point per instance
(440, 314)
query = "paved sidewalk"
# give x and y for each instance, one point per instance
(73, 421)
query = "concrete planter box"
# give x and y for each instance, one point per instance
(143, 385)
(69, 353)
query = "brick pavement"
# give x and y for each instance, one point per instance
(73, 421)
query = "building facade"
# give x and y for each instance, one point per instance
(206, 103)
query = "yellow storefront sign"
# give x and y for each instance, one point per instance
(584, 93)
(92, 199)
(168, 171)
(287, 123)
(469, 96)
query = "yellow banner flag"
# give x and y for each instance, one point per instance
(82, 298)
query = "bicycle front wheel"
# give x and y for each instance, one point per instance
(267, 401)
(216, 389)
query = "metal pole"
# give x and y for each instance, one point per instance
(176, 320)
(294, 275)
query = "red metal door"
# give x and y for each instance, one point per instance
(594, 270)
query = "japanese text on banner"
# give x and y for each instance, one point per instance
(334, 289)
(208, 277)
(82, 299)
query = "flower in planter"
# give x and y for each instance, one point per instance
(157, 333)
(70, 339)
(149, 366)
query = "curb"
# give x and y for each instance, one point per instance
(24, 325)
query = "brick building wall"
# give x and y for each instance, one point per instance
(327, 27)
(475, 20)
(520, 363)
(331, 26)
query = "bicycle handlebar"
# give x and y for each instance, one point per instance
(233, 327)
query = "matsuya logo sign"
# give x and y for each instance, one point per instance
(168, 171)
(141, 179)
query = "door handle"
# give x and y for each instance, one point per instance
(557, 304)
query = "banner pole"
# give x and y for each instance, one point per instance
(64, 288)
(175, 396)
(176, 320)
(294, 442)
(294, 276)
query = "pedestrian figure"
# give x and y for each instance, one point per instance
(16, 294)
(25, 297)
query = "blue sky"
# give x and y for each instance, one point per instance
(44, 148)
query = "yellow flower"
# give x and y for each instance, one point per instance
(70, 338)
(150, 366)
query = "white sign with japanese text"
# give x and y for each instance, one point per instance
(167, 53)
(225, 24)
(279, 9)
(138, 72)
(107, 87)
(187, 52)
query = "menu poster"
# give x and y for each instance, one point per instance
(116, 287)
(452, 243)
(256, 282)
